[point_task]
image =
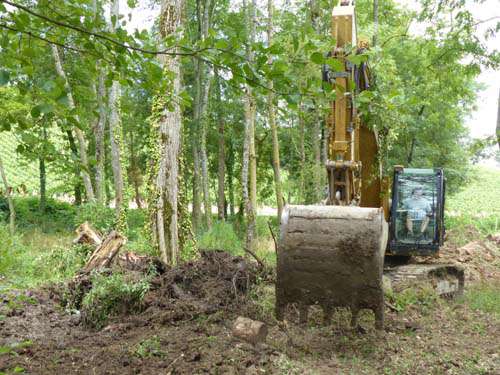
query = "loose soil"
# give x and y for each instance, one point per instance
(185, 328)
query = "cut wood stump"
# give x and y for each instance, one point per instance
(85, 234)
(105, 252)
(252, 331)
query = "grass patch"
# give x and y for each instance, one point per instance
(149, 348)
(32, 258)
(420, 297)
(485, 298)
(477, 205)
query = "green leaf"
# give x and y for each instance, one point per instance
(35, 111)
(4, 77)
(357, 59)
(317, 58)
(221, 44)
(46, 108)
(335, 64)
(63, 99)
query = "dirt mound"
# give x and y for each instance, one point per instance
(217, 281)
(480, 258)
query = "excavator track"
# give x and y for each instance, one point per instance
(446, 279)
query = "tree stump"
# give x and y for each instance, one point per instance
(85, 234)
(104, 254)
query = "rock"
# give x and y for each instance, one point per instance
(252, 331)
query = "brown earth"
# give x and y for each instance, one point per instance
(185, 328)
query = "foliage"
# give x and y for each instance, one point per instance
(221, 236)
(57, 217)
(37, 258)
(148, 348)
(111, 295)
(422, 298)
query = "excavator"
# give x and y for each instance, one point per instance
(370, 230)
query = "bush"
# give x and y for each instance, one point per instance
(102, 218)
(112, 295)
(58, 216)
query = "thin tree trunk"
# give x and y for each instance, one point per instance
(196, 214)
(316, 128)
(272, 120)
(89, 190)
(100, 175)
(230, 176)
(115, 137)
(249, 170)
(375, 22)
(302, 152)
(135, 173)
(10, 201)
(202, 82)
(74, 155)
(166, 149)
(43, 175)
(221, 172)
(498, 121)
(43, 184)
(207, 206)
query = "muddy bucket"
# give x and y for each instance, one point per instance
(331, 256)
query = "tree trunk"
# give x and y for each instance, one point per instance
(230, 176)
(207, 206)
(89, 190)
(498, 121)
(272, 120)
(196, 214)
(43, 175)
(135, 174)
(115, 138)
(302, 152)
(202, 82)
(10, 201)
(221, 172)
(249, 170)
(43, 184)
(318, 169)
(74, 155)
(166, 136)
(100, 175)
(375, 22)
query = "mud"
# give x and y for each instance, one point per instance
(187, 312)
(331, 256)
(38, 337)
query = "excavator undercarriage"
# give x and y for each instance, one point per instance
(333, 255)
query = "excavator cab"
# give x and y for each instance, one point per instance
(417, 212)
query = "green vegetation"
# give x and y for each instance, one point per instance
(147, 348)
(476, 205)
(112, 294)
(484, 297)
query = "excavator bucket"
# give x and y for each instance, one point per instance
(331, 256)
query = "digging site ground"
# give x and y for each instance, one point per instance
(183, 325)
